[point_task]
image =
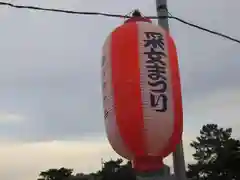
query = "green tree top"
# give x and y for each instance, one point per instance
(217, 155)
(56, 174)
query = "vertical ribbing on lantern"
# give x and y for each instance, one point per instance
(111, 126)
(158, 126)
(126, 87)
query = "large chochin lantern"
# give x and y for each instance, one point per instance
(142, 93)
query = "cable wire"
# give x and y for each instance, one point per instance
(119, 16)
(207, 30)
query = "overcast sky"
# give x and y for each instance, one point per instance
(50, 96)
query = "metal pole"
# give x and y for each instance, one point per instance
(179, 162)
(162, 11)
(178, 156)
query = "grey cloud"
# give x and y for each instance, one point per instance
(219, 71)
(50, 64)
(207, 62)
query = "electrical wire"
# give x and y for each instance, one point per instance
(207, 30)
(119, 16)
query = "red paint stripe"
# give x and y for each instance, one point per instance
(126, 86)
(177, 98)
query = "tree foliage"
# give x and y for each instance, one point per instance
(56, 174)
(113, 169)
(217, 155)
(117, 170)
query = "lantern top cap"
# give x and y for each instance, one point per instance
(137, 16)
(136, 13)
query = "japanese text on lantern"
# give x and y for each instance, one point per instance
(156, 68)
(104, 86)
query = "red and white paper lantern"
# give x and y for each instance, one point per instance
(141, 92)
